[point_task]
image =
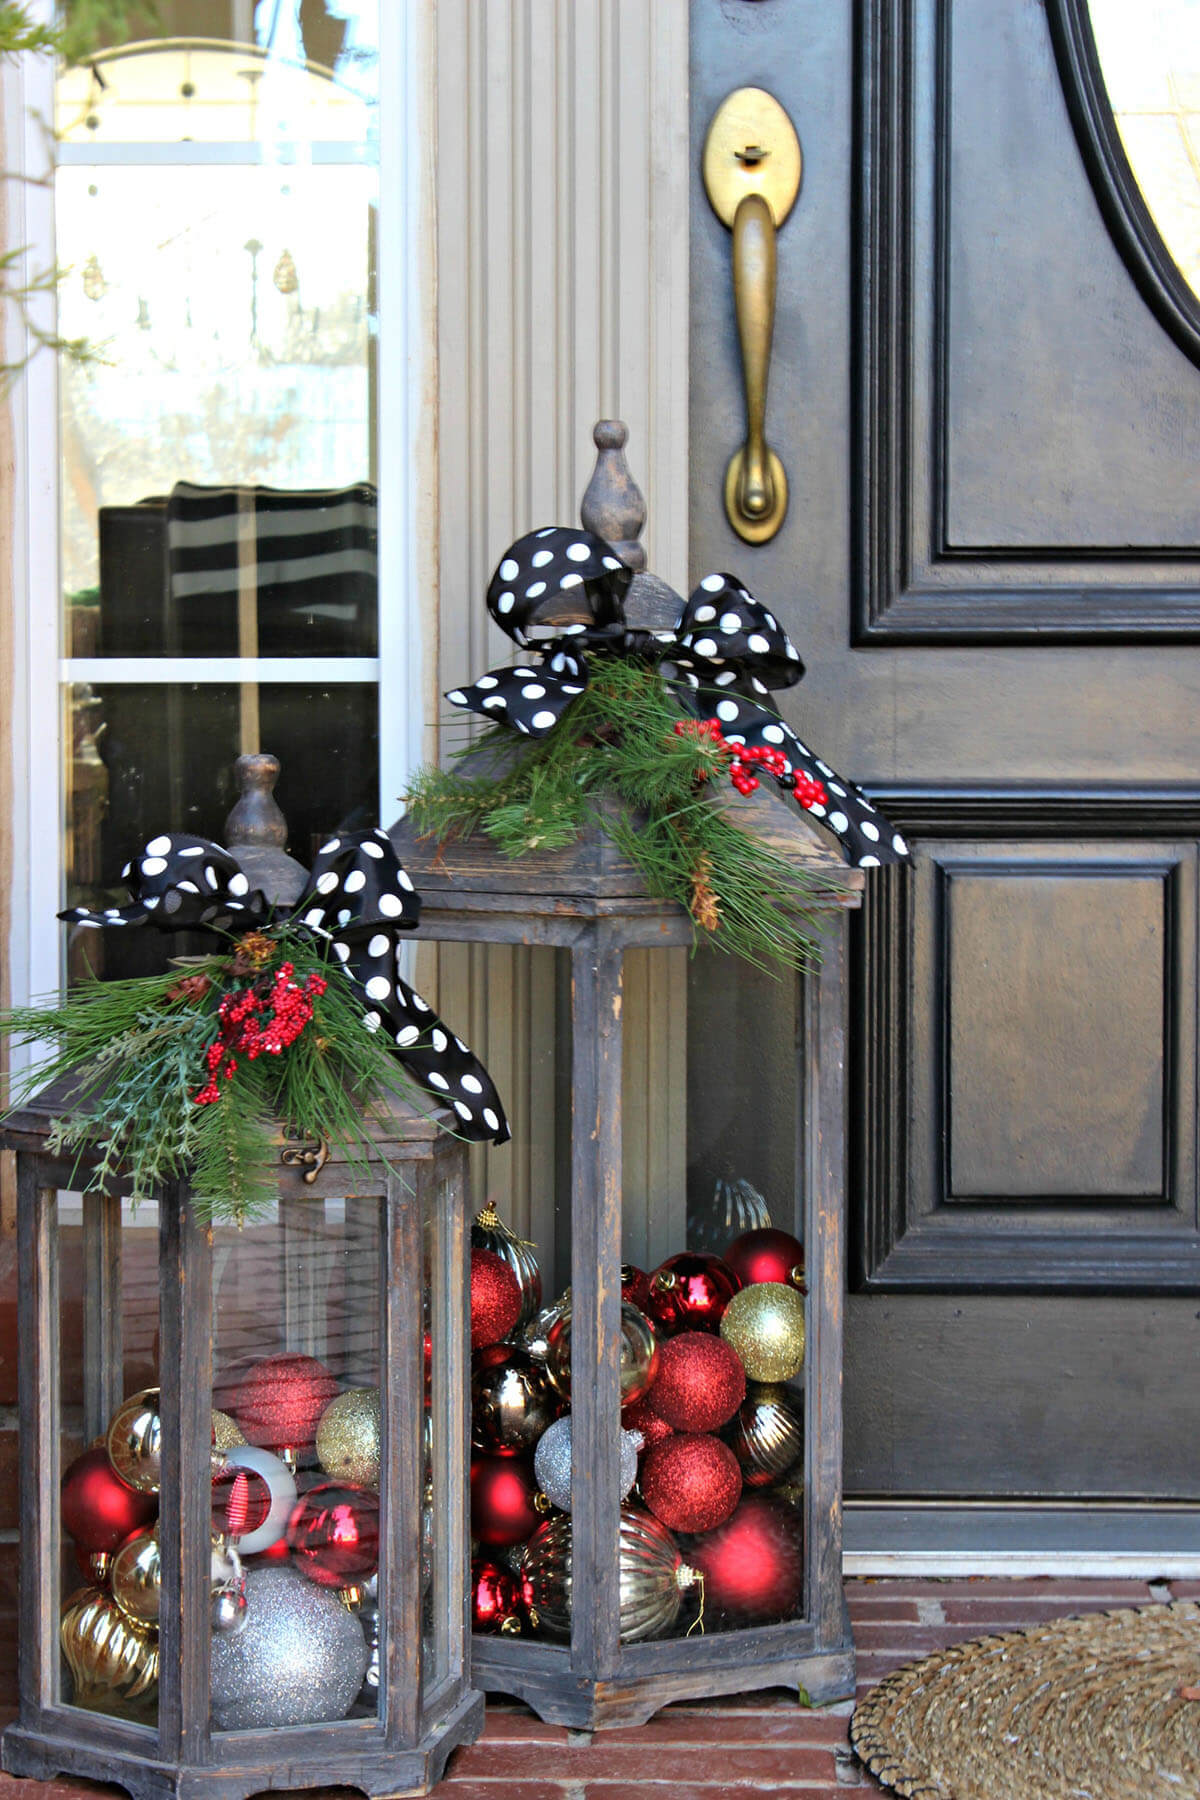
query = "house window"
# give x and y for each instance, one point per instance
(217, 215)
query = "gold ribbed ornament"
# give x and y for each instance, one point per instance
(766, 1433)
(348, 1437)
(653, 1576)
(113, 1661)
(489, 1232)
(639, 1351)
(764, 1323)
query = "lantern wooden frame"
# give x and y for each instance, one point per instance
(590, 902)
(419, 1172)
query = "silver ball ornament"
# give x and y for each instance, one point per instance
(229, 1611)
(552, 1462)
(299, 1659)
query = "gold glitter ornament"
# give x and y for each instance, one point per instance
(226, 1433)
(113, 1661)
(766, 1433)
(764, 1323)
(653, 1577)
(348, 1437)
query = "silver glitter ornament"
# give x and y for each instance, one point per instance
(299, 1659)
(552, 1462)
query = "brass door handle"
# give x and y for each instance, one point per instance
(752, 167)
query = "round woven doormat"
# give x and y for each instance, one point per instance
(1080, 1709)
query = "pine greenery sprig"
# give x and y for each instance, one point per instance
(619, 738)
(134, 1054)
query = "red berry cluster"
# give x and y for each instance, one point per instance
(265, 1018)
(807, 789)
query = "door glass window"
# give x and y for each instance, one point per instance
(1150, 56)
(216, 204)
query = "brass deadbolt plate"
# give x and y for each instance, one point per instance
(751, 148)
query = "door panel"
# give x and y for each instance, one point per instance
(991, 565)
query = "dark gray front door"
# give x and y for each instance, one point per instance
(986, 394)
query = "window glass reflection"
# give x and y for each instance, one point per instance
(1150, 56)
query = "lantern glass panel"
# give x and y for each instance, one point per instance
(108, 1327)
(711, 1100)
(296, 1370)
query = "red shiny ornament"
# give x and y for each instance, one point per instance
(767, 1255)
(642, 1417)
(280, 1399)
(333, 1534)
(690, 1292)
(502, 1495)
(491, 1356)
(700, 1382)
(495, 1598)
(635, 1285)
(100, 1510)
(496, 1298)
(691, 1482)
(753, 1565)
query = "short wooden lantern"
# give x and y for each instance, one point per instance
(618, 1614)
(165, 1345)
(243, 1547)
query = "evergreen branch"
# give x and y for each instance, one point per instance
(619, 738)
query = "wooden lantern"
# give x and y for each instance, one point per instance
(293, 1390)
(586, 1658)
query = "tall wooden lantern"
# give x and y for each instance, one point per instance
(242, 1538)
(610, 1579)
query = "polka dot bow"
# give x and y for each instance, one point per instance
(561, 593)
(359, 899)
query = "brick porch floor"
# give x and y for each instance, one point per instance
(740, 1746)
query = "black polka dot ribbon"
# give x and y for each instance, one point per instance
(360, 900)
(560, 594)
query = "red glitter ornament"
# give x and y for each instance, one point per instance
(503, 1489)
(767, 1255)
(753, 1565)
(99, 1509)
(280, 1400)
(642, 1417)
(700, 1382)
(690, 1292)
(635, 1285)
(495, 1598)
(333, 1534)
(496, 1298)
(691, 1482)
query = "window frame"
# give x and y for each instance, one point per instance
(40, 674)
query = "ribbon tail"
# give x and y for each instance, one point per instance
(425, 1047)
(867, 838)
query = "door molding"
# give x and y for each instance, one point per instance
(920, 1227)
(911, 582)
